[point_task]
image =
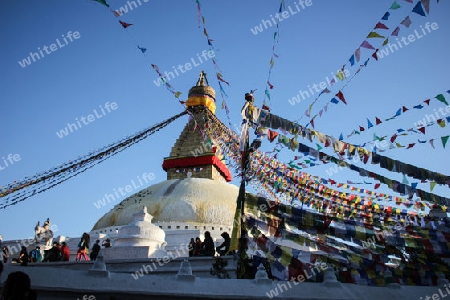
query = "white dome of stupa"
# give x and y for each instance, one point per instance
(190, 201)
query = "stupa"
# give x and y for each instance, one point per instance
(196, 197)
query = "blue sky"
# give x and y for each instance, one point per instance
(104, 65)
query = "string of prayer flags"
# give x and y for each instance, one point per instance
(357, 54)
(402, 110)
(276, 34)
(217, 69)
(275, 122)
(168, 85)
(41, 182)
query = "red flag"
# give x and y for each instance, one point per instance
(265, 107)
(374, 55)
(341, 97)
(393, 138)
(377, 121)
(376, 186)
(422, 129)
(221, 79)
(427, 101)
(404, 108)
(272, 135)
(410, 145)
(124, 25)
(270, 85)
(380, 26)
(361, 128)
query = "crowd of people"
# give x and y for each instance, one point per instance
(207, 247)
(58, 252)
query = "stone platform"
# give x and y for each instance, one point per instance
(53, 282)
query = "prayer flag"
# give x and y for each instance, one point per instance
(341, 97)
(102, 2)
(441, 98)
(394, 5)
(124, 24)
(407, 20)
(374, 34)
(426, 5)
(380, 26)
(444, 140)
(418, 9)
(366, 44)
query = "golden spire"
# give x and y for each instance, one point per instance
(202, 94)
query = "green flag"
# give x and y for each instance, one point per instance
(102, 2)
(394, 5)
(374, 34)
(444, 140)
(441, 98)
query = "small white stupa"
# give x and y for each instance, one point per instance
(138, 239)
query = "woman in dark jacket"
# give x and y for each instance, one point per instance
(208, 248)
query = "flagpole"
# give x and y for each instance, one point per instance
(247, 114)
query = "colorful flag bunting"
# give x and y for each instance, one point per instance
(386, 16)
(441, 123)
(369, 124)
(386, 41)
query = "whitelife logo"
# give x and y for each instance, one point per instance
(53, 47)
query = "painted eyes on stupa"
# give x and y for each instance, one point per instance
(187, 170)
